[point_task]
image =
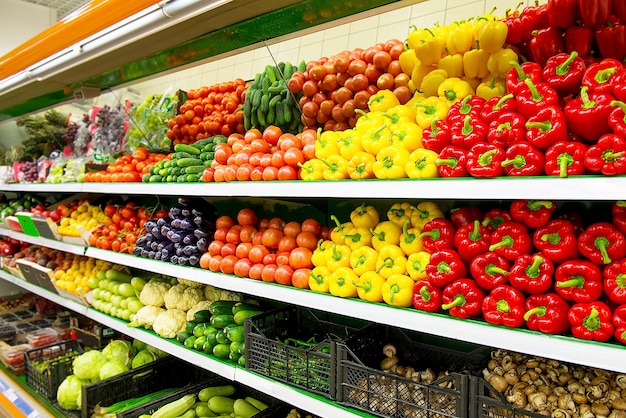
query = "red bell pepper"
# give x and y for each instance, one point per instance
(506, 129)
(557, 241)
(546, 43)
(600, 75)
(523, 159)
(618, 85)
(485, 160)
(504, 305)
(437, 136)
(468, 132)
(617, 118)
(495, 217)
(510, 240)
(445, 266)
(547, 127)
(437, 234)
(451, 162)
(618, 215)
(591, 321)
(497, 105)
(513, 22)
(579, 39)
(532, 213)
(588, 114)
(602, 243)
(472, 240)
(565, 158)
(619, 322)
(594, 12)
(564, 73)
(471, 105)
(573, 217)
(531, 273)
(614, 281)
(516, 77)
(607, 156)
(619, 10)
(547, 313)
(534, 18)
(463, 298)
(562, 13)
(578, 281)
(427, 296)
(535, 97)
(489, 270)
(465, 215)
(611, 40)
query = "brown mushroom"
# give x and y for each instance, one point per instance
(566, 402)
(388, 362)
(620, 379)
(617, 414)
(561, 413)
(600, 409)
(619, 404)
(389, 350)
(499, 383)
(584, 411)
(537, 398)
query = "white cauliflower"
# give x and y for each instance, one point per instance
(169, 323)
(183, 297)
(153, 293)
(200, 306)
(146, 316)
(189, 283)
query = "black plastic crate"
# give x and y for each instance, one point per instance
(48, 366)
(487, 402)
(363, 385)
(312, 368)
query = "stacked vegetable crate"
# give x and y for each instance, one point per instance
(48, 366)
(487, 402)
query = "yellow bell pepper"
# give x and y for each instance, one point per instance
(391, 260)
(382, 101)
(369, 287)
(386, 232)
(341, 283)
(424, 212)
(336, 167)
(339, 230)
(338, 256)
(474, 82)
(408, 60)
(390, 162)
(416, 265)
(326, 144)
(320, 255)
(461, 37)
(365, 216)
(452, 64)
(363, 259)
(419, 72)
(399, 212)
(454, 89)
(499, 62)
(475, 63)
(312, 169)
(429, 109)
(398, 290)
(492, 35)
(491, 87)
(432, 80)
(410, 242)
(349, 143)
(407, 135)
(356, 237)
(429, 48)
(415, 36)
(318, 279)
(361, 166)
(417, 97)
(374, 140)
(399, 114)
(421, 164)
(368, 121)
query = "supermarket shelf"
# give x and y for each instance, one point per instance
(554, 188)
(44, 242)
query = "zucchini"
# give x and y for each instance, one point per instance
(186, 162)
(215, 305)
(176, 408)
(220, 321)
(190, 149)
(202, 316)
(257, 403)
(244, 306)
(240, 317)
(207, 393)
(221, 351)
(118, 276)
(244, 408)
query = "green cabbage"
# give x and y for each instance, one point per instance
(111, 368)
(143, 357)
(69, 392)
(87, 366)
(120, 350)
(138, 345)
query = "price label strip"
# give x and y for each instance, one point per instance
(15, 403)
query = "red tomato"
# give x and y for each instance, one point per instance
(270, 173)
(282, 258)
(263, 223)
(247, 216)
(215, 247)
(287, 243)
(270, 258)
(271, 237)
(268, 273)
(278, 159)
(243, 249)
(233, 234)
(227, 265)
(307, 239)
(283, 275)
(292, 228)
(276, 222)
(300, 278)
(244, 171)
(246, 233)
(289, 140)
(271, 134)
(311, 225)
(255, 271)
(294, 156)
(228, 249)
(256, 174)
(109, 210)
(224, 221)
(287, 172)
(242, 267)
(214, 262)
(257, 252)
(204, 260)
(300, 258)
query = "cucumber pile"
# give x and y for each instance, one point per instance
(187, 163)
(269, 102)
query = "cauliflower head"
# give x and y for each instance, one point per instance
(183, 297)
(189, 283)
(169, 323)
(200, 306)
(146, 316)
(153, 293)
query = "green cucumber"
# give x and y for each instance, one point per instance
(236, 333)
(189, 326)
(240, 317)
(244, 306)
(198, 344)
(221, 351)
(189, 342)
(194, 169)
(220, 321)
(221, 338)
(218, 304)
(211, 337)
(182, 336)
(190, 149)
(202, 316)
(186, 162)
(199, 329)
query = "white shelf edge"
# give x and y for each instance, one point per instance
(554, 188)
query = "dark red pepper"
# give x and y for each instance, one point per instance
(516, 77)
(510, 240)
(489, 270)
(451, 162)
(506, 129)
(566, 158)
(618, 215)
(619, 322)
(579, 39)
(513, 22)
(600, 75)
(497, 105)
(445, 266)
(463, 298)
(531, 273)
(557, 240)
(617, 118)
(470, 105)
(575, 218)
(591, 321)
(578, 281)
(564, 73)
(495, 217)
(437, 234)
(472, 240)
(535, 97)
(547, 127)
(602, 243)
(618, 85)
(547, 313)
(619, 10)
(504, 305)
(523, 159)
(562, 13)
(426, 296)
(607, 156)
(485, 160)
(611, 40)
(534, 18)
(465, 215)
(614, 281)
(437, 136)
(594, 12)
(532, 213)
(587, 115)
(468, 132)
(546, 43)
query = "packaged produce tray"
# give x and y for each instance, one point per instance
(436, 384)
(270, 348)
(49, 365)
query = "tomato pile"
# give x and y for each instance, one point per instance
(127, 168)
(121, 233)
(265, 249)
